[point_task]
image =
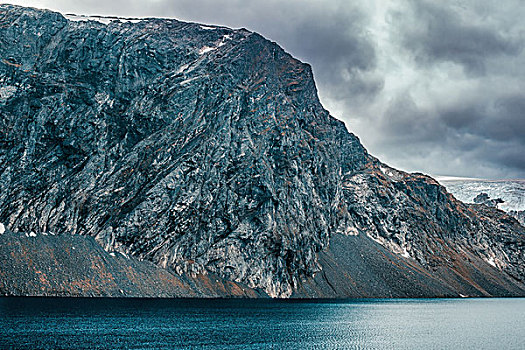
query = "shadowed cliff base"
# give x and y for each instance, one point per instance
(358, 267)
(353, 267)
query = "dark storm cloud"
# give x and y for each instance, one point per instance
(437, 33)
(500, 123)
(340, 54)
(482, 134)
(468, 121)
(501, 120)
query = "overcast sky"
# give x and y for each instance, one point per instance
(430, 86)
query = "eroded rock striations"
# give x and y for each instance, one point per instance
(205, 150)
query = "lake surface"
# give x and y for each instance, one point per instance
(51, 323)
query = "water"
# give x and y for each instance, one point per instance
(51, 323)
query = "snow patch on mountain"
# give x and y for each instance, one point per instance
(6, 92)
(206, 49)
(101, 19)
(512, 192)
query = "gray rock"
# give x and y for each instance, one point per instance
(483, 198)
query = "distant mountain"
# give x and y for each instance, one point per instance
(511, 192)
(205, 151)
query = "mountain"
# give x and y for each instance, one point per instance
(205, 151)
(510, 192)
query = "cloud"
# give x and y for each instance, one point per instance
(461, 138)
(460, 108)
(436, 32)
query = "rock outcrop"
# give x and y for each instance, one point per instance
(205, 150)
(484, 198)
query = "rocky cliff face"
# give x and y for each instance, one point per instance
(206, 150)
